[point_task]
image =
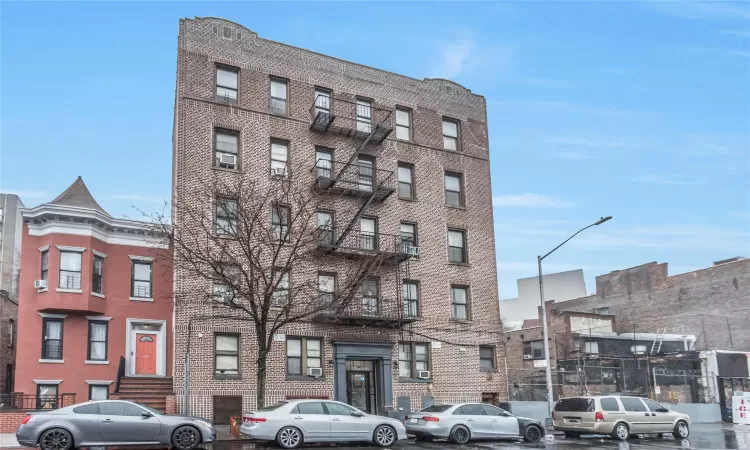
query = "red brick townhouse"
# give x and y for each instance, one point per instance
(93, 289)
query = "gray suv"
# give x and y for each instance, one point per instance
(617, 416)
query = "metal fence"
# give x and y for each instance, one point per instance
(30, 402)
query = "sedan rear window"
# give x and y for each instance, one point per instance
(437, 408)
(575, 404)
(272, 407)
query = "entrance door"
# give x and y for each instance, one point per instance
(225, 408)
(359, 391)
(145, 354)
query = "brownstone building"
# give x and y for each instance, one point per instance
(397, 158)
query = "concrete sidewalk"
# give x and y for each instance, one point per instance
(8, 441)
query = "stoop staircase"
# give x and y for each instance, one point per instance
(151, 391)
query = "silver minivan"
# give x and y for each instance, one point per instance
(617, 416)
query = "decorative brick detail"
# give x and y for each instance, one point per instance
(10, 420)
(171, 404)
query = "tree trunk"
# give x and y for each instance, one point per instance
(261, 373)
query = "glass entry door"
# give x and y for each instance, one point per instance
(360, 385)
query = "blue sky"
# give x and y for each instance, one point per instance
(636, 110)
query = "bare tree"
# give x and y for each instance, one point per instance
(241, 241)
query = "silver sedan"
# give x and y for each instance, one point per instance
(112, 422)
(464, 422)
(294, 422)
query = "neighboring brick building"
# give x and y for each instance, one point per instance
(93, 289)
(10, 243)
(8, 321)
(249, 91)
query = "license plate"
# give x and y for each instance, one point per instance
(413, 420)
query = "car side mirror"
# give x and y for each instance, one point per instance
(662, 410)
(358, 414)
(145, 414)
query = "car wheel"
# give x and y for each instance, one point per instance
(289, 437)
(384, 436)
(621, 432)
(532, 434)
(186, 438)
(460, 434)
(681, 430)
(56, 439)
(572, 434)
(660, 435)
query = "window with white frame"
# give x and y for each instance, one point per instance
(403, 124)
(322, 101)
(460, 302)
(303, 354)
(453, 189)
(450, 134)
(280, 280)
(405, 181)
(486, 357)
(98, 392)
(226, 354)
(97, 275)
(44, 275)
(364, 115)
(227, 83)
(457, 246)
(591, 347)
(280, 222)
(411, 298)
(326, 288)
(279, 157)
(413, 357)
(226, 149)
(141, 279)
(98, 331)
(70, 270)
(226, 216)
(278, 101)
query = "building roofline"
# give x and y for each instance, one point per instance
(81, 212)
(424, 80)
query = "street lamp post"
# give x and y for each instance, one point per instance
(548, 369)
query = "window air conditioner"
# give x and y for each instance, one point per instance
(316, 372)
(228, 160)
(40, 284)
(412, 251)
(527, 357)
(278, 171)
(423, 374)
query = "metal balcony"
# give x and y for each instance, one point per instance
(371, 311)
(353, 179)
(359, 120)
(363, 244)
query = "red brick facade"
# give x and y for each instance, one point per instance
(454, 351)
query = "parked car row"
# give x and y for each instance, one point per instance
(293, 423)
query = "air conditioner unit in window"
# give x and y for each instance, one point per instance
(227, 160)
(423, 374)
(527, 357)
(316, 372)
(412, 251)
(40, 284)
(278, 171)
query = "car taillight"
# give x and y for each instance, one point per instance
(257, 419)
(599, 416)
(406, 417)
(26, 420)
(431, 419)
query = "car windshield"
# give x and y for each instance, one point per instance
(575, 404)
(436, 408)
(149, 409)
(272, 407)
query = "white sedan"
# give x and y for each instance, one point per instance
(294, 422)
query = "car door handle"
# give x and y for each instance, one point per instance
(647, 414)
(107, 420)
(335, 420)
(494, 420)
(298, 417)
(470, 420)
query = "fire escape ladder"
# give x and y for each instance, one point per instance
(356, 153)
(361, 211)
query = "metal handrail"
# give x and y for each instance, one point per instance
(353, 176)
(120, 373)
(361, 241)
(363, 119)
(24, 402)
(366, 306)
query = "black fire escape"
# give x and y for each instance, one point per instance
(359, 179)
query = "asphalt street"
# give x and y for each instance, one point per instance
(702, 437)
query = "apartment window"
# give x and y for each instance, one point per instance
(406, 181)
(226, 217)
(280, 295)
(98, 275)
(46, 396)
(457, 246)
(486, 357)
(325, 227)
(460, 302)
(141, 281)
(225, 284)
(278, 96)
(98, 392)
(411, 298)
(403, 124)
(450, 134)
(408, 234)
(412, 358)
(97, 341)
(226, 354)
(591, 347)
(370, 297)
(45, 265)
(303, 354)
(280, 222)
(364, 115)
(324, 162)
(70, 270)
(368, 227)
(533, 350)
(326, 288)
(322, 101)
(226, 84)
(279, 156)
(52, 339)
(366, 175)
(226, 148)
(11, 333)
(453, 189)
(603, 310)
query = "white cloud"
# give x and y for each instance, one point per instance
(528, 200)
(464, 55)
(454, 58)
(664, 180)
(25, 194)
(140, 198)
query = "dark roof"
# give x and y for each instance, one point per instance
(77, 194)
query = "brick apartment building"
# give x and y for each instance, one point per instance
(10, 243)
(245, 104)
(94, 289)
(8, 321)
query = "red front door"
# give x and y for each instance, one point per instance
(145, 354)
